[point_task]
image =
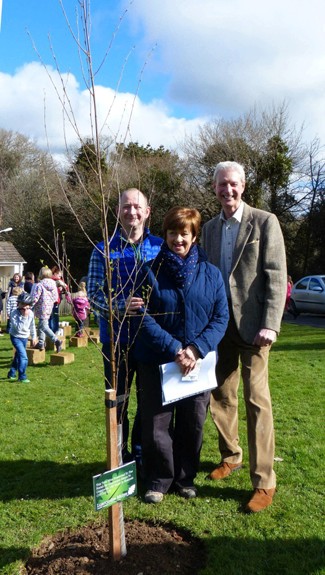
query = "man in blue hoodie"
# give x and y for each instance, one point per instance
(130, 246)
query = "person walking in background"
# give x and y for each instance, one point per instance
(80, 308)
(289, 290)
(247, 244)
(184, 317)
(22, 326)
(2, 297)
(12, 303)
(62, 289)
(130, 246)
(44, 295)
(15, 281)
(29, 282)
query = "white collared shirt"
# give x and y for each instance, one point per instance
(230, 229)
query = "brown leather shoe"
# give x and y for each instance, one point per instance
(261, 499)
(224, 469)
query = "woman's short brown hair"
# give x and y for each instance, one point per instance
(178, 218)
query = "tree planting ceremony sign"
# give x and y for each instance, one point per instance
(114, 485)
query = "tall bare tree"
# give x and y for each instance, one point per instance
(262, 140)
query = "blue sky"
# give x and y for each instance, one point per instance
(34, 26)
(183, 63)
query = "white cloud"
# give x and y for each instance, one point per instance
(213, 58)
(225, 56)
(32, 106)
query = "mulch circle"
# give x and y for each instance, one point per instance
(151, 549)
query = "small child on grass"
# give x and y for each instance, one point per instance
(80, 308)
(22, 325)
(12, 303)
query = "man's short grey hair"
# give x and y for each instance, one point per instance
(235, 166)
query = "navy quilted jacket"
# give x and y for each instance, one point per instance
(175, 317)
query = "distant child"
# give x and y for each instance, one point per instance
(12, 303)
(2, 297)
(29, 281)
(80, 308)
(22, 325)
(289, 290)
(44, 294)
(62, 289)
(16, 281)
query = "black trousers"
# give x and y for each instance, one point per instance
(171, 435)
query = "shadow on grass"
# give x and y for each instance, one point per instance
(29, 479)
(11, 554)
(37, 368)
(212, 491)
(296, 346)
(5, 364)
(223, 489)
(10, 348)
(266, 557)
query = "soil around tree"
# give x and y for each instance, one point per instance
(151, 549)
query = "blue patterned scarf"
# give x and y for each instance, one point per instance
(180, 270)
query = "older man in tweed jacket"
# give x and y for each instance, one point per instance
(247, 245)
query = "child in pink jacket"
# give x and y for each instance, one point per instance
(80, 308)
(45, 294)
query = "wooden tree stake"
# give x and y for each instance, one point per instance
(115, 512)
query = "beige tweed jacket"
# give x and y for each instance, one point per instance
(258, 278)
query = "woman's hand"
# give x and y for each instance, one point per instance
(186, 359)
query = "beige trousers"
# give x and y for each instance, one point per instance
(239, 358)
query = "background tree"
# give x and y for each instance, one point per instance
(158, 173)
(48, 207)
(30, 183)
(308, 248)
(266, 145)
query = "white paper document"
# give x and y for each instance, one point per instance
(177, 386)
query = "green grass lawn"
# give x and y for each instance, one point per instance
(52, 441)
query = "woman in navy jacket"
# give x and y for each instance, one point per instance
(185, 317)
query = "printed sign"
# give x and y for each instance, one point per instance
(114, 485)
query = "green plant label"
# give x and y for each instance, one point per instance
(114, 485)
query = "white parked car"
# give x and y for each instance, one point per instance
(308, 295)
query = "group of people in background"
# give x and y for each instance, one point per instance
(173, 301)
(28, 300)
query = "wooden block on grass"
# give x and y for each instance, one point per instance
(94, 339)
(62, 358)
(78, 341)
(66, 330)
(35, 356)
(50, 344)
(93, 331)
